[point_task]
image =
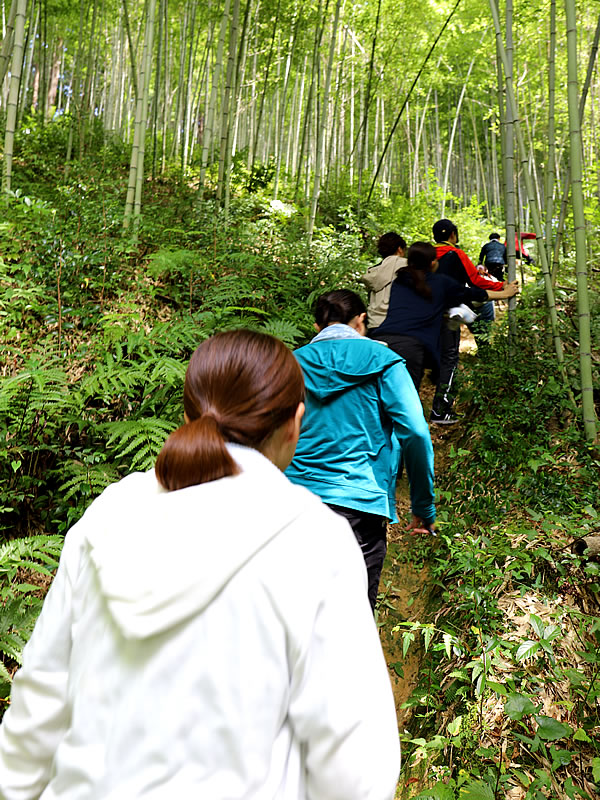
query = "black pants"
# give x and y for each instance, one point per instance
(371, 534)
(449, 350)
(412, 350)
(496, 269)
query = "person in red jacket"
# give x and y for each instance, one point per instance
(520, 251)
(455, 263)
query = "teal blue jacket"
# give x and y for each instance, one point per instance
(362, 410)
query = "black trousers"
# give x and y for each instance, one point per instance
(371, 534)
(412, 350)
(449, 351)
(496, 269)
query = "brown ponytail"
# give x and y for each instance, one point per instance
(240, 386)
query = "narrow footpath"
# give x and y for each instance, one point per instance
(406, 586)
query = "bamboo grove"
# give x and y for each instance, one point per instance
(489, 105)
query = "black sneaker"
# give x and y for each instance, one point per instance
(443, 419)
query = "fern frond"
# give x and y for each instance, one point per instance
(143, 438)
(166, 262)
(168, 370)
(34, 390)
(20, 600)
(31, 552)
(12, 646)
(87, 480)
(286, 331)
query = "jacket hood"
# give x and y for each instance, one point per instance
(161, 557)
(332, 366)
(442, 249)
(382, 274)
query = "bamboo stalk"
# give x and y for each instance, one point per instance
(406, 99)
(8, 40)
(13, 97)
(537, 225)
(590, 421)
(323, 126)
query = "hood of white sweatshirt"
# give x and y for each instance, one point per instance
(161, 556)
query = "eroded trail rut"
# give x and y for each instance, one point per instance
(407, 598)
(406, 581)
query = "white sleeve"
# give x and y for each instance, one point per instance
(38, 715)
(342, 706)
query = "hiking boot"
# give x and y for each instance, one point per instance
(443, 419)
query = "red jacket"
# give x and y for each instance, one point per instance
(519, 248)
(472, 276)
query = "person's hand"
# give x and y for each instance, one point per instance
(512, 288)
(418, 525)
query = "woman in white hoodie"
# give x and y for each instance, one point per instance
(206, 634)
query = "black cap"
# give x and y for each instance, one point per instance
(442, 229)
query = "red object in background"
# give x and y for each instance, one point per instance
(519, 249)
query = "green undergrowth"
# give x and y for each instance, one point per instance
(97, 329)
(26, 569)
(507, 700)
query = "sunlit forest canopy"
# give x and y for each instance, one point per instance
(311, 91)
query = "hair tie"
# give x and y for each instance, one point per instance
(205, 415)
(213, 416)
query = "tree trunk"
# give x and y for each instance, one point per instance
(145, 89)
(229, 97)
(567, 179)
(509, 167)
(136, 164)
(8, 40)
(583, 304)
(76, 111)
(159, 54)
(87, 87)
(265, 87)
(208, 132)
(453, 133)
(587, 546)
(551, 165)
(363, 144)
(406, 99)
(511, 103)
(283, 104)
(304, 139)
(13, 96)
(132, 53)
(323, 126)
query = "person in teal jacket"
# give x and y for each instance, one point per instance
(362, 414)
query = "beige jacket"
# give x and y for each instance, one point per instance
(378, 281)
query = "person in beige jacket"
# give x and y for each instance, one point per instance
(378, 280)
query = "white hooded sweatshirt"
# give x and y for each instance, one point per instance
(378, 280)
(210, 643)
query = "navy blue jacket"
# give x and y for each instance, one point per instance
(409, 314)
(493, 252)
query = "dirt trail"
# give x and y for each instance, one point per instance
(405, 580)
(407, 588)
(407, 598)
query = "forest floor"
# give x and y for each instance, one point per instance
(408, 591)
